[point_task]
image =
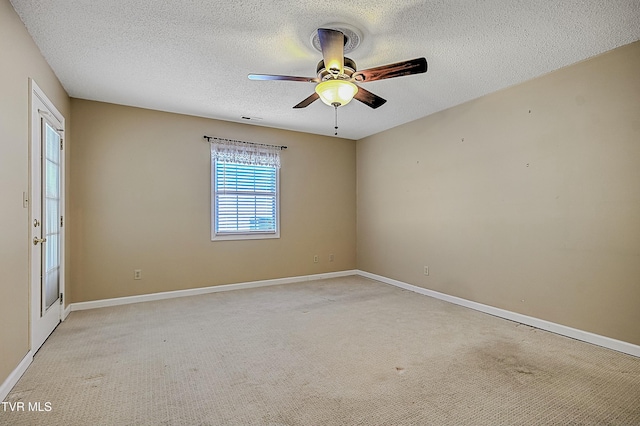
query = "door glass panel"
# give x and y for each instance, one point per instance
(51, 217)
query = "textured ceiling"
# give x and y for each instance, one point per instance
(193, 56)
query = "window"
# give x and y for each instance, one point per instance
(245, 198)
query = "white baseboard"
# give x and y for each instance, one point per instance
(585, 336)
(15, 375)
(203, 290)
(66, 311)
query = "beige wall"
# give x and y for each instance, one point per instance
(527, 199)
(140, 181)
(21, 60)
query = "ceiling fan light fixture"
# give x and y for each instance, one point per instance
(335, 91)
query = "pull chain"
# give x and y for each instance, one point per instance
(335, 106)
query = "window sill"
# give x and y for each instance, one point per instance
(249, 236)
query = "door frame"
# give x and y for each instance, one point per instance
(41, 106)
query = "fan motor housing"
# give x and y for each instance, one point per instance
(348, 70)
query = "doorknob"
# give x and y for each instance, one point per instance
(37, 240)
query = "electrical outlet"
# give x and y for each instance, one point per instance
(426, 270)
(315, 259)
(331, 257)
(137, 274)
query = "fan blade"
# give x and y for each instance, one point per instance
(314, 97)
(332, 43)
(282, 77)
(369, 99)
(413, 66)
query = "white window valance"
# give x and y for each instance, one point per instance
(247, 153)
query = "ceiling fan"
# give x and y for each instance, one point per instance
(337, 75)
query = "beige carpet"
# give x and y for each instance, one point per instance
(346, 351)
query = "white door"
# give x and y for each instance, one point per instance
(47, 203)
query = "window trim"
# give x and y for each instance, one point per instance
(250, 235)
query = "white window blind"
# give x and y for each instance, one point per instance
(245, 195)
